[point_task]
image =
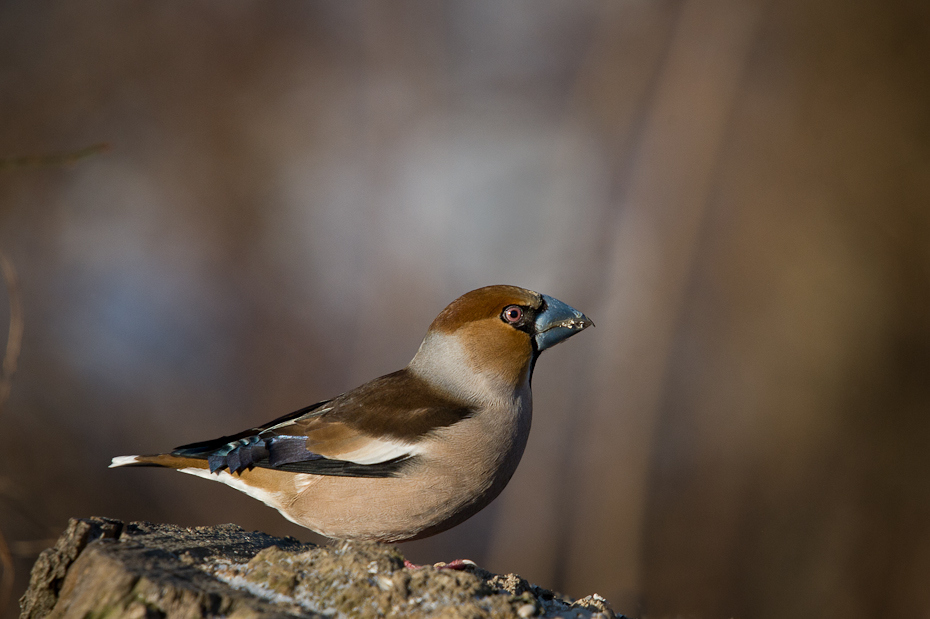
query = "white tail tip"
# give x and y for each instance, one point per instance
(123, 461)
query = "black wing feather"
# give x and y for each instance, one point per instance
(398, 406)
(342, 468)
(265, 448)
(192, 450)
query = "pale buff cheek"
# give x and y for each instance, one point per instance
(498, 350)
(481, 362)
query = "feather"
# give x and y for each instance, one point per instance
(287, 449)
(379, 423)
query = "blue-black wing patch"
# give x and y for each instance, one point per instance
(265, 447)
(286, 453)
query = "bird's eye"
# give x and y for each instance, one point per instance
(513, 313)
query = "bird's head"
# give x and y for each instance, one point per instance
(488, 340)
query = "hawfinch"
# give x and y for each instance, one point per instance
(409, 454)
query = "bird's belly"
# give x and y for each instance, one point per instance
(455, 481)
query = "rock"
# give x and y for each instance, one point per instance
(107, 569)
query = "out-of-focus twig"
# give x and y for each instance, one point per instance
(15, 334)
(7, 575)
(13, 342)
(52, 159)
(10, 358)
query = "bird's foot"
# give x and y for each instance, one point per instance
(458, 564)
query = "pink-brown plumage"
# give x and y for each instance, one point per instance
(411, 453)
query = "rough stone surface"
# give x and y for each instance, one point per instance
(103, 568)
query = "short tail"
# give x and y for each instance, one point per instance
(163, 460)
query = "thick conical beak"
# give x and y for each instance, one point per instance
(558, 322)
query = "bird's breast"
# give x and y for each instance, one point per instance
(478, 456)
(459, 469)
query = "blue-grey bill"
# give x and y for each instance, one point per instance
(558, 322)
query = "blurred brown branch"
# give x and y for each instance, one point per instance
(13, 343)
(15, 334)
(7, 574)
(52, 159)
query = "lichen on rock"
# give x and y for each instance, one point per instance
(103, 568)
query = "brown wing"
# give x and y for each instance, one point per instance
(369, 431)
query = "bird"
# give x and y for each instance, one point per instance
(412, 453)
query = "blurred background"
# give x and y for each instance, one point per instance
(736, 191)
